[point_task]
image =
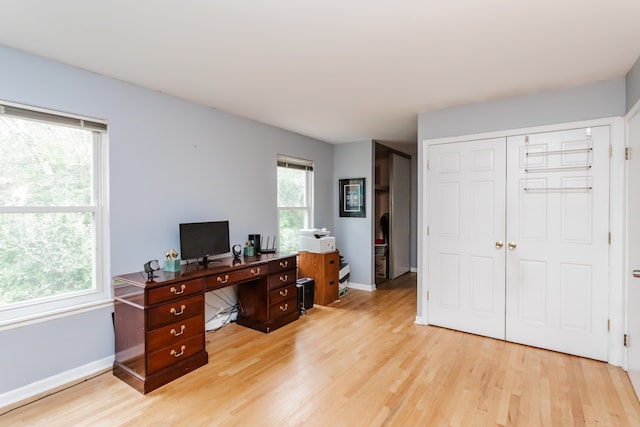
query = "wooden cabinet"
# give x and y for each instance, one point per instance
(324, 269)
(159, 325)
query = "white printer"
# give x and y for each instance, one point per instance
(317, 240)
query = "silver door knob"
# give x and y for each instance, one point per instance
(499, 244)
(636, 273)
(511, 245)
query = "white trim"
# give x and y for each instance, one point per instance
(626, 278)
(55, 314)
(422, 305)
(361, 287)
(616, 249)
(39, 389)
(607, 121)
(413, 269)
(616, 223)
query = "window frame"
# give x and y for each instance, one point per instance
(100, 296)
(302, 164)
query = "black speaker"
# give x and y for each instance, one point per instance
(305, 288)
(255, 242)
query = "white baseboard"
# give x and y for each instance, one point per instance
(421, 320)
(414, 269)
(361, 287)
(50, 385)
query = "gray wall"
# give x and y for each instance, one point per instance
(633, 85)
(598, 100)
(170, 161)
(354, 236)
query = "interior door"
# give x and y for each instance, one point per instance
(400, 215)
(633, 253)
(466, 209)
(557, 240)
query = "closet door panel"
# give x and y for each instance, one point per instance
(399, 218)
(557, 270)
(466, 218)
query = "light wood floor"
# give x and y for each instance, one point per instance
(359, 362)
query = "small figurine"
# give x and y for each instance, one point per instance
(171, 254)
(171, 262)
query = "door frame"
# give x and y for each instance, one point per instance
(635, 110)
(617, 195)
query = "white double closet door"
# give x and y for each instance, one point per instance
(518, 239)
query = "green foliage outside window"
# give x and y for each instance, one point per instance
(293, 207)
(46, 224)
(291, 221)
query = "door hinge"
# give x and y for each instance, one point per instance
(427, 295)
(625, 340)
(610, 150)
(627, 153)
(608, 324)
(427, 164)
(609, 237)
(427, 230)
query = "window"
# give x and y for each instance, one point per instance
(295, 201)
(51, 213)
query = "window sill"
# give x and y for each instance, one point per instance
(56, 314)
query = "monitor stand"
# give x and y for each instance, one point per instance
(206, 261)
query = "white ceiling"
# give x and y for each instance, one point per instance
(336, 70)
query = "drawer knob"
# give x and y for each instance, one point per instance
(284, 293)
(225, 280)
(176, 312)
(176, 354)
(255, 271)
(284, 264)
(178, 292)
(285, 307)
(176, 333)
(284, 278)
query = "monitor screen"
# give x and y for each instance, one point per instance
(204, 239)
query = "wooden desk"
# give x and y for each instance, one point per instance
(159, 325)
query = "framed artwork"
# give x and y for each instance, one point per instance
(352, 197)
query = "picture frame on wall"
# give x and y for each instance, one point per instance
(352, 197)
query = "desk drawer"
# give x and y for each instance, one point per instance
(281, 279)
(283, 308)
(176, 290)
(229, 278)
(175, 311)
(176, 352)
(282, 264)
(277, 296)
(171, 334)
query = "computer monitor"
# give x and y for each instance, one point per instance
(200, 240)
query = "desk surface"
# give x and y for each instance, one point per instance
(195, 270)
